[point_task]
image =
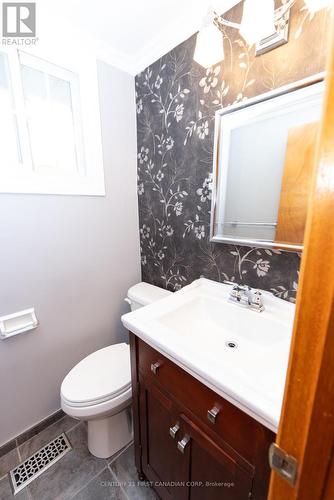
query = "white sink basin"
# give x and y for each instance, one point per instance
(239, 353)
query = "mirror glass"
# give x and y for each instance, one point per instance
(263, 161)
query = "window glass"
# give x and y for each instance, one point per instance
(50, 119)
(10, 154)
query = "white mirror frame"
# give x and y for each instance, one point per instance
(219, 149)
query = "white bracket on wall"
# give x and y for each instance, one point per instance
(280, 37)
(19, 322)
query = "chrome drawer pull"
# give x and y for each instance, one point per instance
(181, 445)
(174, 430)
(213, 414)
(155, 367)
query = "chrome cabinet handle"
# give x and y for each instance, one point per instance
(213, 414)
(174, 430)
(155, 367)
(181, 445)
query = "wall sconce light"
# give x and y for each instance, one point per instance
(261, 24)
(257, 20)
(209, 48)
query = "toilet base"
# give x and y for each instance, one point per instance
(106, 436)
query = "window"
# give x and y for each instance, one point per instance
(10, 147)
(46, 144)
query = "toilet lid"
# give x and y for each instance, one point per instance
(102, 375)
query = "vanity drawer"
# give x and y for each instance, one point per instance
(235, 427)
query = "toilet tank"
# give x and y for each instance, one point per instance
(143, 294)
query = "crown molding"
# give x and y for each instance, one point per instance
(169, 37)
(167, 40)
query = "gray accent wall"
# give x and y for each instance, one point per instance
(72, 258)
(176, 104)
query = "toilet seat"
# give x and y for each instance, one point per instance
(99, 410)
(102, 379)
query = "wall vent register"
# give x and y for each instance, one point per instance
(36, 464)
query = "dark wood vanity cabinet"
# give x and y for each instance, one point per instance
(184, 451)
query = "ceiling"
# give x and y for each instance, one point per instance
(131, 34)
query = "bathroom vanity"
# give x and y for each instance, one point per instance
(208, 380)
(188, 437)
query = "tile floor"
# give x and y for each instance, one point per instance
(78, 475)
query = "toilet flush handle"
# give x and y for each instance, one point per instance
(127, 300)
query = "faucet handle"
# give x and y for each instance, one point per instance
(236, 292)
(257, 301)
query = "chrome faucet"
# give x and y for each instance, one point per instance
(246, 296)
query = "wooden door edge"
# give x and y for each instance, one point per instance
(309, 390)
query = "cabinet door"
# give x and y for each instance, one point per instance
(161, 462)
(213, 473)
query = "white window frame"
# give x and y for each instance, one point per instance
(85, 105)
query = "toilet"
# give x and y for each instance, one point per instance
(98, 388)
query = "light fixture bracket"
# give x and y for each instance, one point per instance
(280, 37)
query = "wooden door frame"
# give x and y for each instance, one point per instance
(306, 429)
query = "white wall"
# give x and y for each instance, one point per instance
(73, 259)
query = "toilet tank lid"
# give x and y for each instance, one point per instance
(144, 293)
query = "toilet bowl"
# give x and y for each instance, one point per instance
(98, 388)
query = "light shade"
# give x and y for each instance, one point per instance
(315, 5)
(257, 20)
(209, 48)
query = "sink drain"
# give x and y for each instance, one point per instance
(231, 344)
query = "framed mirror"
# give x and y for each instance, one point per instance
(263, 162)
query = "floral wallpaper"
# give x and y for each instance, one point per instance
(176, 100)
